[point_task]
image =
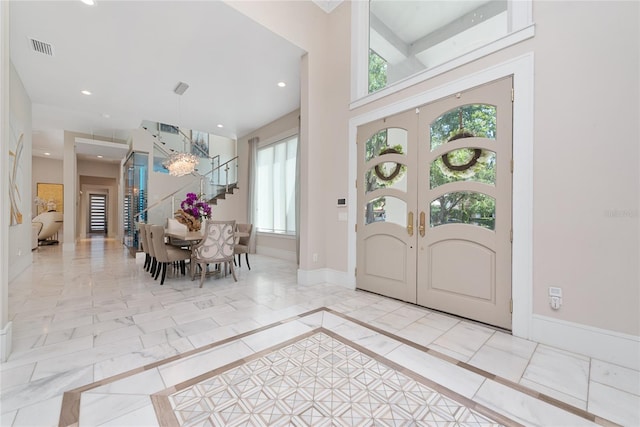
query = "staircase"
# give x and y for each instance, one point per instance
(212, 179)
(221, 193)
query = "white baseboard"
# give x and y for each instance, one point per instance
(5, 342)
(602, 344)
(276, 253)
(325, 275)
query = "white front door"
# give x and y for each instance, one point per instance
(434, 197)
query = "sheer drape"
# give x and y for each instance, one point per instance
(297, 192)
(251, 207)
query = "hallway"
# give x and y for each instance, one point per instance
(82, 317)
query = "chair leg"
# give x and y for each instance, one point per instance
(239, 260)
(154, 266)
(233, 272)
(202, 275)
(158, 268)
(164, 272)
(246, 257)
(147, 258)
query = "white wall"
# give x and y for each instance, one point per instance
(20, 256)
(5, 69)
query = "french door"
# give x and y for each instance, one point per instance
(434, 197)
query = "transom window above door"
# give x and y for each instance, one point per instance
(399, 43)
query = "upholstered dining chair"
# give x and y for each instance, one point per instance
(242, 247)
(142, 238)
(151, 267)
(217, 247)
(166, 254)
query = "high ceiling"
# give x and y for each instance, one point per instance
(132, 54)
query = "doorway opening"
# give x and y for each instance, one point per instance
(98, 214)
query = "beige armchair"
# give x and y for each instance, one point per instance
(244, 243)
(49, 225)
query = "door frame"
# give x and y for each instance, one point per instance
(522, 68)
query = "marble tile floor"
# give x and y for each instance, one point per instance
(85, 316)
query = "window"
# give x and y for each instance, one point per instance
(396, 44)
(275, 187)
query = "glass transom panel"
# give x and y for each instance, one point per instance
(472, 120)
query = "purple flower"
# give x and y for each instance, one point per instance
(195, 207)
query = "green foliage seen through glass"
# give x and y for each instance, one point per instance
(377, 72)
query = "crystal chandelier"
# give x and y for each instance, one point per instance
(181, 163)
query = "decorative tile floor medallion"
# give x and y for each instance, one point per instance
(317, 380)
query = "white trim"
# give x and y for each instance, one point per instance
(520, 26)
(325, 275)
(521, 68)
(359, 49)
(68, 247)
(615, 347)
(276, 253)
(5, 341)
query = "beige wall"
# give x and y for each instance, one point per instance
(586, 181)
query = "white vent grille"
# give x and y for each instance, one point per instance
(41, 47)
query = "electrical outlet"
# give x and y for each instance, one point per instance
(555, 297)
(315, 257)
(555, 292)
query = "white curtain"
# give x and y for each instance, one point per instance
(251, 211)
(297, 192)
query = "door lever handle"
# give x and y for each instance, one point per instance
(410, 224)
(421, 228)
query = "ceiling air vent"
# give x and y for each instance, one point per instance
(41, 47)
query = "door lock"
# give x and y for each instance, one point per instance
(410, 224)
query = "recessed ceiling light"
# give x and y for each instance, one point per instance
(220, 126)
(88, 2)
(106, 116)
(282, 84)
(99, 156)
(85, 92)
(47, 154)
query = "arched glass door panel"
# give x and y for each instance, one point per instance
(465, 207)
(472, 120)
(465, 164)
(386, 175)
(386, 141)
(386, 209)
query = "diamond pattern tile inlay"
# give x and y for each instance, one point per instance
(317, 381)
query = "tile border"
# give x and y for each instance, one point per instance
(70, 408)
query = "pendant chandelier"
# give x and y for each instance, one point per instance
(181, 163)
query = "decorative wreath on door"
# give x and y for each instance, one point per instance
(396, 170)
(477, 153)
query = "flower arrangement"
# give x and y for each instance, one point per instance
(192, 211)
